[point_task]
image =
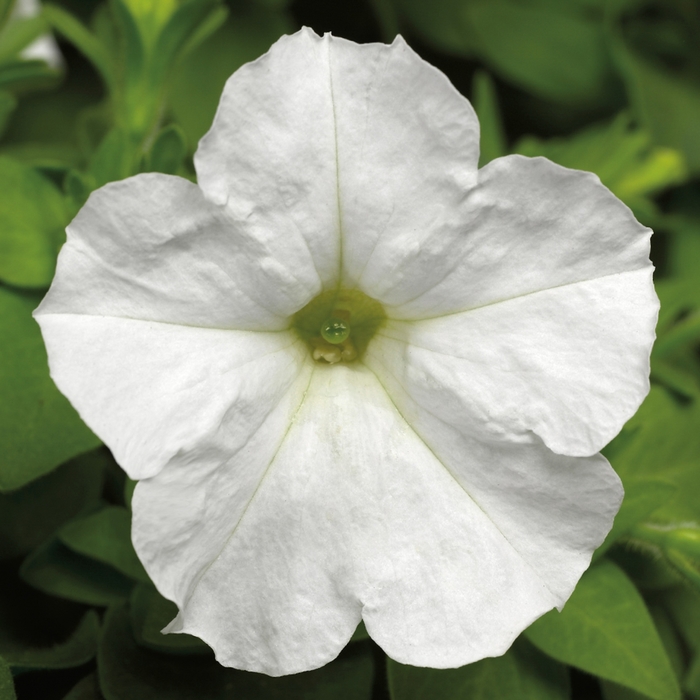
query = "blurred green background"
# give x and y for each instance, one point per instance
(610, 86)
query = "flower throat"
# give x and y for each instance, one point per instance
(338, 325)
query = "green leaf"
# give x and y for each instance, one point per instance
(522, 672)
(29, 516)
(105, 536)
(683, 606)
(619, 153)
(8, 102)
(551, 51)
(150, 613)
(211, 23)
(643, 495)
(605, 629)
(133, 49)
(86, 689)
(7, 685)
(57, 570)
(114, 159)
(24, 75)
(20, 33)
(692, 680)
(77, 650)
(130, 672)
(199, 80)
(39, 429)
(81, 37)
(168, 151)
(666, 103)
(493, 139)
(32, 218)
(613, 691)
(176, 35)
(360, 634)
(37, 631)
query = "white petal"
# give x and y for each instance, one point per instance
(352, 150)
(160, 394)
(447, 549)
(270, 156)
(528, 225)
(567, 365)
(408, 148)
(152, 247)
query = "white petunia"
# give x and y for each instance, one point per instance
(435, 473)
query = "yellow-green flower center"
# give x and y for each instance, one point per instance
(338, 324)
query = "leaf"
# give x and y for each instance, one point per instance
(613, 691)
(55, 569)
(665, 102)
(493, 139)
(8, 102)
(81, 37)
(77, 650)
(360, 634)
(20, 33)
(32, 218)
(605, 629)
(150, 613)
(22, 75)
(174, 37)
(551, 51)
(130, 672)
(620, 154)
(114, 159)
(106, 537)
(7, 685)
(39, 429)
(199, 80)
(522, 672)
(86, 689)
(168, 151)
(683, 606)
(643, 495)
(29, 516)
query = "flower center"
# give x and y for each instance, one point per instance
(338, 324)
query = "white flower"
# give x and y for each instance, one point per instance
(445, 485)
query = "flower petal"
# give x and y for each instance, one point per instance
(152, 247)
(528, 225)
(350, 148)
(408, 150)
(160, 394)
(447, 549)
(270, 156)
(568, 365)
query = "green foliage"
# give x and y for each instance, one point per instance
(78, 649)
(556, 50)
(40, 428)
(7, 686)
(32, 219)
(199, 80)
(605, 629)
(493, 141)
(106, 537)
(30, 515)
(611, 87)
(130, 672)
(168, 151)
(523, 672)
(57, 570)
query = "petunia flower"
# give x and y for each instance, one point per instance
(356, 377)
